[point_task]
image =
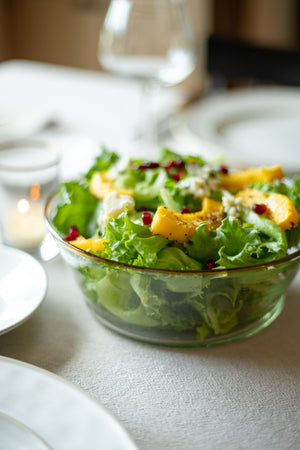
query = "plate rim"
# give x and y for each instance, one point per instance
(16, 251)
(25, 429)
(208, 141)
(74, 388)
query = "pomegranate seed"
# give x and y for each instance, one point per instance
(177, 163)
(185, 211)
(210, 264)
(224, 170)
(170, 165)
(259, 208)
(148, 165)
(147, 218)
(73, 233)
(178, 175)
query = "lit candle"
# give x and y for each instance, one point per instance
(24, 226)
(29, 171)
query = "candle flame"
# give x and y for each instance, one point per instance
(23, 205)
(35, 191)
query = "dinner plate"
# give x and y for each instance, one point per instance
(254, 126)
(47, 412)
(23, 286)
(22, 121)
(16, 436)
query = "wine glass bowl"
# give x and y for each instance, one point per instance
(148, 39)
(151, 41)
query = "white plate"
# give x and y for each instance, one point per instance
(23, 285)
(53, 413)
(21, 121)
(253, 126)
(16, 436)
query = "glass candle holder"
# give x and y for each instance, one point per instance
(29, 171)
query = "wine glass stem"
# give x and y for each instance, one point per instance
(148, 115)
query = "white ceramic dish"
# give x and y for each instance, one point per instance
(23, 286)
(253, 126)
(16, 436)
(53, 413)
(21, 121)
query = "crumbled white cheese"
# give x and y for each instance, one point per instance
(118, 168)
(202, 184)
(198, 171)
(113, 205)
(231, 204)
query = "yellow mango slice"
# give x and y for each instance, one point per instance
(89, 244)
(101, 186)
(280, 209)
(179, 227)
(239, 180)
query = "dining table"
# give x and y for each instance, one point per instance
(241, 395)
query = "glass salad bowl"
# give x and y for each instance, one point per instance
(179, 308)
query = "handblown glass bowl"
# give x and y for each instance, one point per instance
(182, 309)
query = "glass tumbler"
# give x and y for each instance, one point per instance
(29, 171)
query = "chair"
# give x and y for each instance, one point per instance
(235, 60)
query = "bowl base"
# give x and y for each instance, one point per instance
(176, 339)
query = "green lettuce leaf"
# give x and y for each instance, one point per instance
(203, 246)
(257, 240)
(147, 192)
(219, 306)
(103, 162)
(289, 187)
(173, 258)
(168, 155)
(146, 185)
(131, 242)
(239, 244)
(182, 199)
(169, 310)
(274, 239)
(121, 300)
(77, 207)
(293, 238)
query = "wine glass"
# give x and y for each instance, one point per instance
(151, 41)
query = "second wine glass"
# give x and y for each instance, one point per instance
(151, 41)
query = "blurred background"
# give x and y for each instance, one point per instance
(65, 32)
(240, 44)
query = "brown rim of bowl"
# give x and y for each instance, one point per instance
(269, 265)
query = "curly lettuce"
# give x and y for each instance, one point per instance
(77, 207)
(210, 303)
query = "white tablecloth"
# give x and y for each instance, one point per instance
(245, 395)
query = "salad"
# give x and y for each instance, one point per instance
(184, 214)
